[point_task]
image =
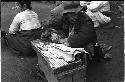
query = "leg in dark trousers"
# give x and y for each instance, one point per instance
(98, 52)
(21, 42)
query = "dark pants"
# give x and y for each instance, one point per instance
(82, 40)
(21, 41)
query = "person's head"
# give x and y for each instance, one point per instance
(24, 5)
(70, 13)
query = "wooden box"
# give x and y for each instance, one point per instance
(70, 72)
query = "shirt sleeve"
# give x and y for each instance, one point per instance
(15, 24)
(94, 5)
(83, 3)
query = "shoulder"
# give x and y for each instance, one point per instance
(32, 12)
(18, 16)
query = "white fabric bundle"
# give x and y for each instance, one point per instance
(94, 10)
(98, 16)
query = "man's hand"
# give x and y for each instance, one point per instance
(54, 37)
(11, 32)
(64, 41)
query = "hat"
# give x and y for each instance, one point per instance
(66, 8)
(75, 10)
(58, 10)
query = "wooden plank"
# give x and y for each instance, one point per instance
(48, 72)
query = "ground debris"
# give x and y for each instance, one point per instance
(37, 74)
(120, 9)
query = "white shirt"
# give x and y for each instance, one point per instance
(99, 6)
(25, 20)
(84, 3)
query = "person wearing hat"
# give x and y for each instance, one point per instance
(57, 21)
(24, 28)
(80, 26)
(82, 33)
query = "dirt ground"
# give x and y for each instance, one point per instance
(19, 69)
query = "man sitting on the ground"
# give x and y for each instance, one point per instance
(24, 28)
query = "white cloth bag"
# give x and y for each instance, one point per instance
(98, 16)
(94, 11)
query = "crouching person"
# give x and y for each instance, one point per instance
(82, 33)
(24, 28)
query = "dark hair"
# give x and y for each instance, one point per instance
(27, 3)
